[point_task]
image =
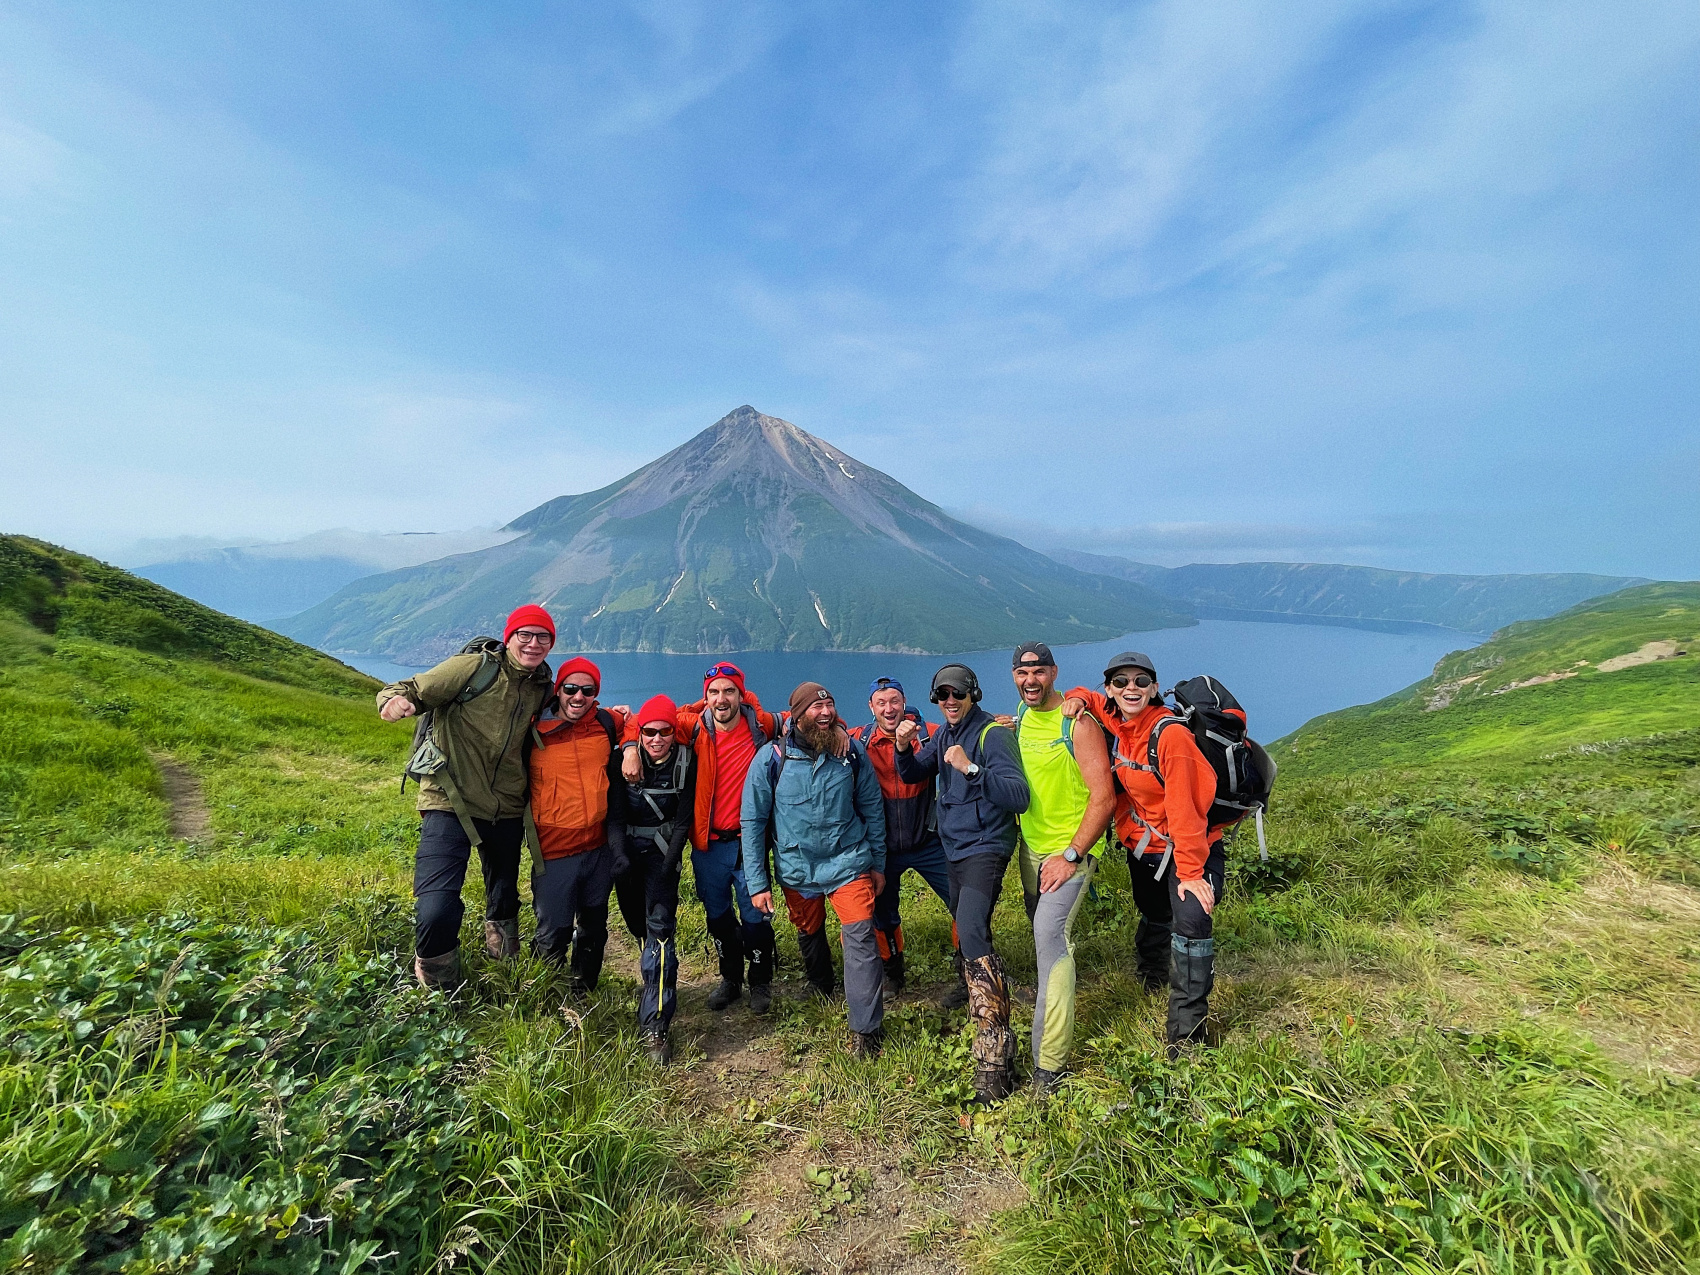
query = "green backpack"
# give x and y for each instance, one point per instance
(426, 758)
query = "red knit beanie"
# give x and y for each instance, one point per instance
(578, 664)
(731, 672)
(535, 616)
(657, 708)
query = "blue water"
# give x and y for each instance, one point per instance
(1284, 674)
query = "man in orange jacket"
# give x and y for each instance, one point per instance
(725, 729)
(1174, 856)
(576, 849)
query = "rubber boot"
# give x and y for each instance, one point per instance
(995, 1047)
(956, 997)
(439, 973)
(1151, 942)
(501, 939)
(891, 987)
(729, 944)
(817, 961)
(764, 955)
(590, 946)
(1192, 974)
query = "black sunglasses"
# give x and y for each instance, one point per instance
(1141, 680)
(571, 689)
(948, 692)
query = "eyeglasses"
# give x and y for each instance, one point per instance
(948, 692)
(534, 639)
(1141, 680)
(657, 732)
(570, 690)
(721, 670)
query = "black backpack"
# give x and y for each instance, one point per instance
(1245, 773)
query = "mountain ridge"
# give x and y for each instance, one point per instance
(1356, 596)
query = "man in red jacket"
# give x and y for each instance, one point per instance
(911, 832)
(1174, 856)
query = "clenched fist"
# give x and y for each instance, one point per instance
(631, 766)
(905, 734)
(396, 708)
(954, 756)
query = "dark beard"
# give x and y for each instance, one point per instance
(815, 737)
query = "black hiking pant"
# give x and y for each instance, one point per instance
(1176, 937)
(649, 905)
(439, 871)
(975, 884)
(570, 895)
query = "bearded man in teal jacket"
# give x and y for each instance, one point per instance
(812, 798)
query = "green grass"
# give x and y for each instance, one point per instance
(1458, 1010)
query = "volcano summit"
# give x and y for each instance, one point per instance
(754, 535)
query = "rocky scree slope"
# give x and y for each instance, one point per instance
(753, 535)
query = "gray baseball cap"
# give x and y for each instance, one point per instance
(1130, 659)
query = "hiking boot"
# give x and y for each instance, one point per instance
(439, 973)
(657, 1048)
(1046, 1083)
(761, 998)
(501, 939)
(725, 993)
(866, 1045)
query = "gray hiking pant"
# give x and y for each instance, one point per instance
(1052, 915)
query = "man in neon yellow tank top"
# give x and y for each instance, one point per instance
(1067, 764)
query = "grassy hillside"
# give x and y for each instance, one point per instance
(60, 592)
(1616, 667)
(1459, 1014)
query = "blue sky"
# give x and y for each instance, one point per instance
(1409, 284)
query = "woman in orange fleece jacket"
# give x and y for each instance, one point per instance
(1174, 855)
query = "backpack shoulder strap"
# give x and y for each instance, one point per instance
(980, 743)
(775, 762)
(605, 719)
(1157, 729)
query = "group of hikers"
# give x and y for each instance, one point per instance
(603, 801)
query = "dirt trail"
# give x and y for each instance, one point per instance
(895, 1222)
(190, 818)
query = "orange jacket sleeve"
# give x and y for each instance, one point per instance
(1097, 703)
(1189, 788)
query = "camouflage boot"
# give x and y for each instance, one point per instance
(501, 939)
(439, 973)
(995, 1046)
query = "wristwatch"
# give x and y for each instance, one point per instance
(973, 769)
(1071, 855)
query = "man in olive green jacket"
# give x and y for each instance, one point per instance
(484, 742)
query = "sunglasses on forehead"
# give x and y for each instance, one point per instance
(720, 670)
(1141, 680)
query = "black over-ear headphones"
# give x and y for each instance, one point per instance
(966, 676)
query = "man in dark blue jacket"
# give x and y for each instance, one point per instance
(982, 789)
